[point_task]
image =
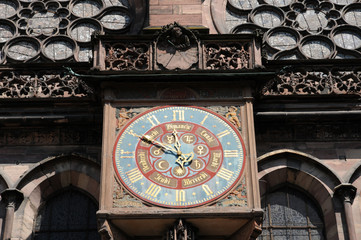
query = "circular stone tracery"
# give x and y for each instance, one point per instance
(303, 18)
(39, 19)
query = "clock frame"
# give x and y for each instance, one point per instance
(179, 156)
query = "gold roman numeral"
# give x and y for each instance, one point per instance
(204, 119)
(180, 195)
(153, 120)
(134, 175)
(225, 174)
(179, 113)
(231, 153)
(153, 190)
(224, 133)
(207, 190)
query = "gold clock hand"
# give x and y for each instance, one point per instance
(177, 144)
(185, 158)
(148, 139)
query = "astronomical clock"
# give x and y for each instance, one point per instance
(179, 156)
(179, 159)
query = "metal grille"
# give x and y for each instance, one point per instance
(290, 214)
(68, 215)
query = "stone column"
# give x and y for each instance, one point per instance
(12, 199)
(347, 193)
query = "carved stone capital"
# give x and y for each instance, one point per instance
(12, 197)
(346, 192)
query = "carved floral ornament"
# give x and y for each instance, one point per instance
(42, 85)
(296, 29)
(314, 83)
(58, 30)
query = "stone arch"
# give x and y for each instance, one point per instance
(5, 181)
(304, 172)
(46, 178)
(353, 177)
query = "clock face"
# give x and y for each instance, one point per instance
(179, 157)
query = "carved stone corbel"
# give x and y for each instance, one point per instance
(181, 231)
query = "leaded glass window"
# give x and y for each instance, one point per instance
(291, 215)
(69, 215)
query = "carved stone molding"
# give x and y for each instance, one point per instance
(314, 83)
(42, 85)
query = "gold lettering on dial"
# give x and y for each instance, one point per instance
(153, 190)
(206, 189)
(225, 174)
(231, 153)
(126, 154)
(153, 118)
(179, 114)
(134, 175)
(180, 195)
(224, 133)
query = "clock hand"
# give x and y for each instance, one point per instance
(148, 139)
(177, 144)
(185, 158)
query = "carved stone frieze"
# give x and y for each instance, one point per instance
(222, 56)
(313, 132)
(175, 47)
(314, 83)
(42, 85)
(49, 136)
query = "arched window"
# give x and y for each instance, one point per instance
(69, 215)
(291, 214)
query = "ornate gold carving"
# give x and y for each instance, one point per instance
(238, 197)
(232, 116)
(122, 199)
(122, 118)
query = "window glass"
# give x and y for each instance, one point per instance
(68, 215)
(291, 214)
